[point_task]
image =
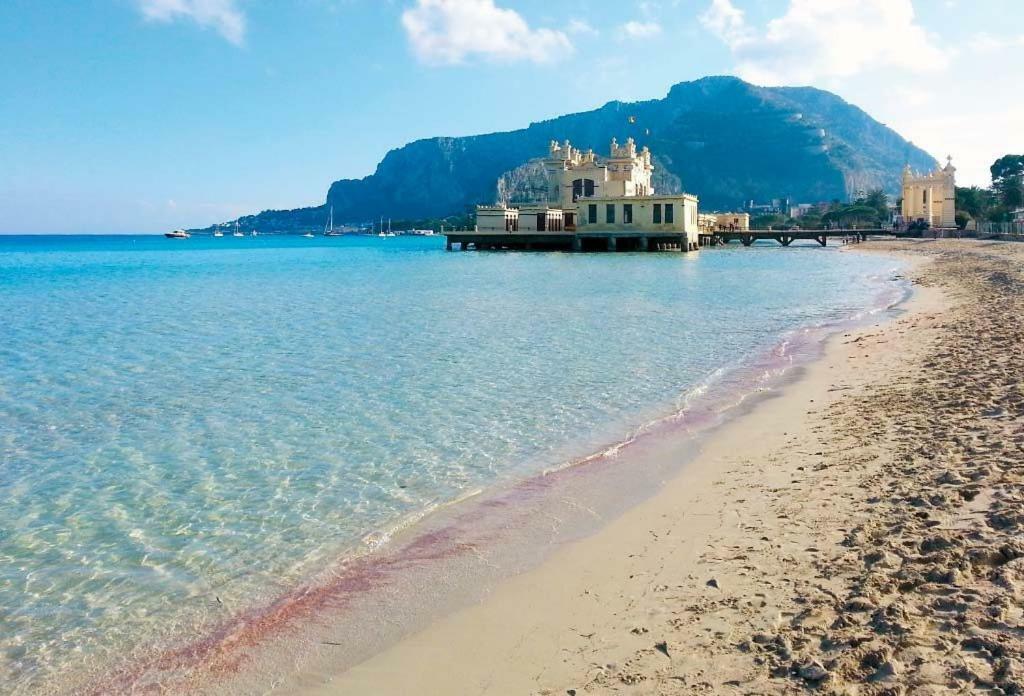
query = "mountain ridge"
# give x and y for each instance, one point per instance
(721, 138)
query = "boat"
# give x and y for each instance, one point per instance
(237, 232)
(329, 227)
(177, 234)
(382, 233)
(308, 234)
(218, 233)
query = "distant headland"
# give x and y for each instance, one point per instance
(732, 141)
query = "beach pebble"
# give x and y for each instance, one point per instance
(813, 671)
(860, 604)
(950, 478)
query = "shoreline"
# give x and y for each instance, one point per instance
(537, 606)
(220, 663)
(858, 534)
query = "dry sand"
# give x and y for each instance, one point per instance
(859, 534)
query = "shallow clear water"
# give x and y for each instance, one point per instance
(189, 428)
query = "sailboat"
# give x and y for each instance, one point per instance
(382, 233)
(237, 232)
(329, 227)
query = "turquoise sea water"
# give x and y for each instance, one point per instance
(191, 428)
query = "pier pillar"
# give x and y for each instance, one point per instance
(642, 244)
(612, 244)
(822, 240)
(747, 240)
(577, 244)
(448, 245)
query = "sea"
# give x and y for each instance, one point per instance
(190, 429)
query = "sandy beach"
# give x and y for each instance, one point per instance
(858, 533)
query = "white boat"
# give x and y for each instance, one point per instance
(218, 233)
(329, 227)
(382, 233)
(308, 234)
(237, 232)
(177, 234)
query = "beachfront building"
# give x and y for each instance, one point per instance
(541, 218)
(574, 174)
(592, 202)
(497, 218)
(930, 197)
(673, 213)
(710, 223)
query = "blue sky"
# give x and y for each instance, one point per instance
(144, 115)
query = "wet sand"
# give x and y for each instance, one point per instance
(860, 533)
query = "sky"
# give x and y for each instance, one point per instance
(123, 116)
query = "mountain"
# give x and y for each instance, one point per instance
(721, 138)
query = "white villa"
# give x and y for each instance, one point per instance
(930, 197)
(585, 195)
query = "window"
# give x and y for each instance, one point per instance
(627, 214)
(609, 213)
(669, 209)
(541, 219)
(592, 213)
(657, 213)
(582, 188)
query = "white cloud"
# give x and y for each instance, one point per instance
(221, 15)
(727, 22)
(822, 39)
(987, 43)
(641, 30)
(975, 137)
(581, 28)
(445, 32)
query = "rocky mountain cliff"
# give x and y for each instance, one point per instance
(719, 137)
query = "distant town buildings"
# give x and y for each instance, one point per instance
(777, 206)
(930, 197)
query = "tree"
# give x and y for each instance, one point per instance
(763, 222)
(858, 214)
(962, 218)
(974, 201)
(878, 200)
(1008, 180)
